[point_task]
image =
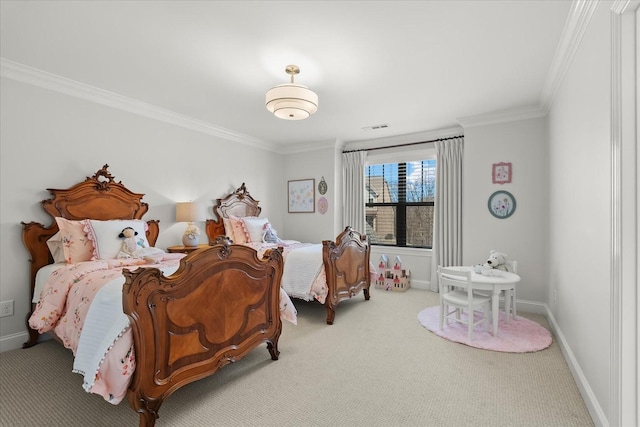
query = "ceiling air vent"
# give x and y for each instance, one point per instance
(376, 127)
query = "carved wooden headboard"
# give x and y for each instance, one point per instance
(239, 204)
(97, 197)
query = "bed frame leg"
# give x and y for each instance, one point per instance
(33, 334)
(148, 416)
(366, 294)
(147, 409)
(273, 350)
(331, 315)
(147, 419)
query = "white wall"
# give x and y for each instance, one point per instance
(311, 227)
(522, 236)
(593, 217)
(51, 140)
(579, 206)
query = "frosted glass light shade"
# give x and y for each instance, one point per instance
(291, 101)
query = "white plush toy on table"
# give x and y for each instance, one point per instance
(496, 261)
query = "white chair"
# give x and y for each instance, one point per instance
(456, 290)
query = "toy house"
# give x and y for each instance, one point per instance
(392, 278)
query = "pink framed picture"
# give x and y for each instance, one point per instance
(502, 173)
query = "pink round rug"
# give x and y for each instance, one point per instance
(517, 336)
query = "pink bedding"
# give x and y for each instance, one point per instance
(63, 307)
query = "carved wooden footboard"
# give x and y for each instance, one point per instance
(346, 262)
(221, 303)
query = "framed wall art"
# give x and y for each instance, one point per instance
(502, 204)
(501, 173)
(302, 195)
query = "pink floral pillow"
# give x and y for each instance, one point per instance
(76, 246)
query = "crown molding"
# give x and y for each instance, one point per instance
(304, 147)
(623, 6)
(35, 77)
(495, 117)
(577, 22)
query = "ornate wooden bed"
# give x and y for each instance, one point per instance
(177, 339)
(346, 260)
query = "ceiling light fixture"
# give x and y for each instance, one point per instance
(291, 101)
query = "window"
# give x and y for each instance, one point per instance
(399, 203)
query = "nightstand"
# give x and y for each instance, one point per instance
(184, 249)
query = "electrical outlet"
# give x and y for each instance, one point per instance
(6, 308)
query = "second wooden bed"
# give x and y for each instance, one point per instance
(346, 260)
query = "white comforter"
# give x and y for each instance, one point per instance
(303, 276)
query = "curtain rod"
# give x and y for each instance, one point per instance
(404, 145)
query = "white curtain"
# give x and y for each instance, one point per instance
(447, 228)
(354, 198)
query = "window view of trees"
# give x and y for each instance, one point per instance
(399, 203)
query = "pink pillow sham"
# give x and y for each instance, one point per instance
(76, 246)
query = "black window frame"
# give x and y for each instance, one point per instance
(400, 206)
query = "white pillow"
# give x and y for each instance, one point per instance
(105, 236)
(255, 228)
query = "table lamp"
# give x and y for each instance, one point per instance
(190, 212)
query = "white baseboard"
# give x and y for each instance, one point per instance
(420, 284)
(13, 341)
(595, 410)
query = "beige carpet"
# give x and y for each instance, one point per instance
(376, 366)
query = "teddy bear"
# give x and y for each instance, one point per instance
(496, 261)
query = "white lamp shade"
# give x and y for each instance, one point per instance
(291, 101)
(190, 212)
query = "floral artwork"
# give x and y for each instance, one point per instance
(502, 173)
(301, 195)
(502, 204)
(323, 205)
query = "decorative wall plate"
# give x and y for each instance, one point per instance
(322, 186)
(323, 205)
(502, 204)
